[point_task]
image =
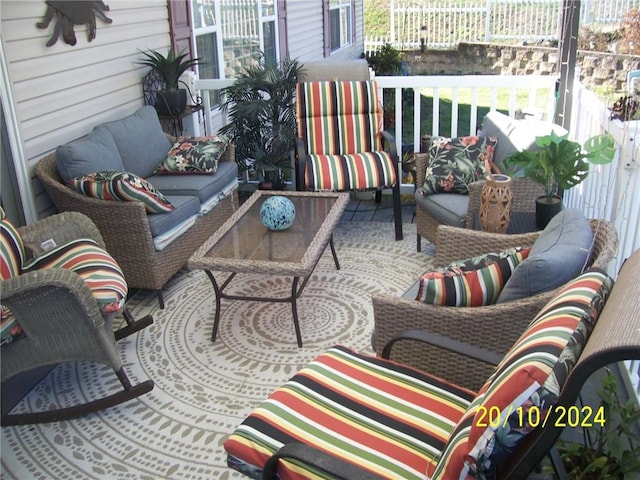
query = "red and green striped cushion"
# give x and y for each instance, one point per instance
(122, 186)
(383, 416)
(12, 256)
(560, 330)
(12, 252)
(96, 267)
(339, 117)
(350, 172)
(463, 287)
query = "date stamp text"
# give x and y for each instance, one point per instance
(534, 417)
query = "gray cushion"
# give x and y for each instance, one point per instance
(558, 255)
(447, 208)
(514, 135)
(92, 153)
(141, 142)
(185, 206)
(202, 186)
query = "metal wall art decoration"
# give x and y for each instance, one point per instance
(68, 14)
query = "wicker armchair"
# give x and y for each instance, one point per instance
(524, 192)
(494, 327)
(60, 315)
(126, 232)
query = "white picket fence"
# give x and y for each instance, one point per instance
(445, 23)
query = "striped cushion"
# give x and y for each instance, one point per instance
(96, 267)
(522, 379)
(12, 255)
(470, 287)
(122, 186)
(12, 252)
(338, 117)
(350, 172)
(383, 416)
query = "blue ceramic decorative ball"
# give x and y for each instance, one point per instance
(277, 213)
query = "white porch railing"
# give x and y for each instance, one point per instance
(611, 192)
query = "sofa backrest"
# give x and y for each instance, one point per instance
(514, 135)
(141, 142)
(134, 144)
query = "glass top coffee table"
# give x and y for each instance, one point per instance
(244, 245)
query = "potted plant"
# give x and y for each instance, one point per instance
(262, 118)
(172, 100)
(611, 448)
(559, 164)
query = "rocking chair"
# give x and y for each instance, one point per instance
(59, 307)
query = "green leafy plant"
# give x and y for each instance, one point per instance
(559, 163)
(262, 118)
(385, 61)
(611, 448)
(169, 67)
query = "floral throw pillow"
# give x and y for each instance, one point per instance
(194, 155)
(122, 186)
(454, 163)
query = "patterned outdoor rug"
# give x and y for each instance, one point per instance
(203, 389)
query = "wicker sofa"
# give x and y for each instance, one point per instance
(458, 210)
(149, 254)
(495, 327)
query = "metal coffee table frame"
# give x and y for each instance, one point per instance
(205, 257)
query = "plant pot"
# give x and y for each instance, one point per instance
(545, 211)
(171, 103)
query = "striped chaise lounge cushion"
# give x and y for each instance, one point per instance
(385, 417)
(340, 122)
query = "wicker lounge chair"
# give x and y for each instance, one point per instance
(494, 327)
(347, 415)
(62, 303)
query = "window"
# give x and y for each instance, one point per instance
(340, 24)
(229, 34)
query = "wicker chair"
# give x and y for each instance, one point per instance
(524, 192)
(494, 327)
(347, 415)
(59, 312)
(126, 232)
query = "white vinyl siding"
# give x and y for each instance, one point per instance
(61, 92)
(306, 34)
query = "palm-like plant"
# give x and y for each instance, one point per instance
(169, 67)
(261, 112)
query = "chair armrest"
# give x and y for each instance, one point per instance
(61, 228)
(42, 318)
(454, 243)
(494, 327)
(429, 338)
(525, 191)
(325, 462)
(421, 159)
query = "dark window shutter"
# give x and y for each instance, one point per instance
(282, 28)
(180, 26)
(326, 24)
(353, 21)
